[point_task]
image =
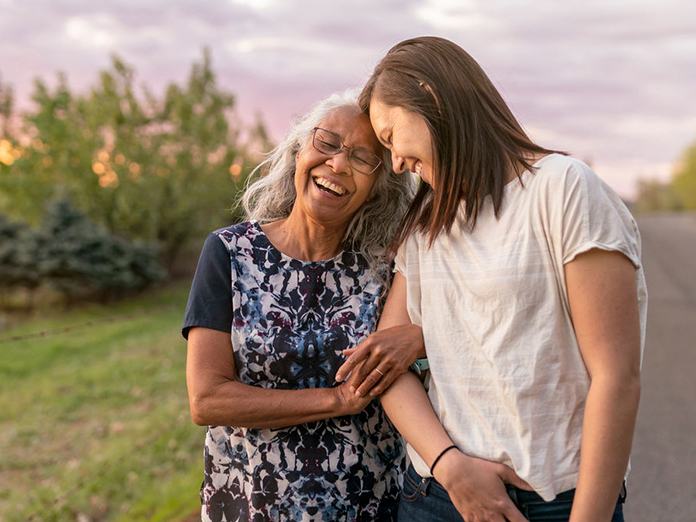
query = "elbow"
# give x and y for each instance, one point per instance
(631, 384)
(624, 388)
(213, 404)
(198, 419)
(630, 393)
(209, 400)
(200, 410)
(634, 387)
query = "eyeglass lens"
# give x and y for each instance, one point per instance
(330, 143)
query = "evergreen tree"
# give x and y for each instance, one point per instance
(80, 259)
(18, 266)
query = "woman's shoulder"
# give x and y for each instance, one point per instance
(565, 174)
(231, 234)
(572, 188)
(559, 166)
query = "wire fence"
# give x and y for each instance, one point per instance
(97, 476)
(80, 326)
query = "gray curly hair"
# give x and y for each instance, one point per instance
(271, 196)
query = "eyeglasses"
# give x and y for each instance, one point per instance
(330, 143)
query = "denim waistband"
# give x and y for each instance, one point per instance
(519, 496)
(523, 497)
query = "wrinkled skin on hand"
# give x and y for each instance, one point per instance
(391, 351)
(350, 402)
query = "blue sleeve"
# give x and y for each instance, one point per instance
(210, 299)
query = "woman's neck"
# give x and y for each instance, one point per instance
(531, 160)
(303, 239)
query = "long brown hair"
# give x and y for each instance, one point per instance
(476, 139)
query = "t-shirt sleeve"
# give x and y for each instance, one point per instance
(210, 299)
(407, 263)
(595, 217)
(399, 264)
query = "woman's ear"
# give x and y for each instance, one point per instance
(297, 154)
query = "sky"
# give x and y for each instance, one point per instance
(613, 82)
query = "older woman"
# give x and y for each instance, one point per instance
(273, 303)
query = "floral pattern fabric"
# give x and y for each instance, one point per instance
(291, 320)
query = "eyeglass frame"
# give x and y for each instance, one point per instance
(349, 149)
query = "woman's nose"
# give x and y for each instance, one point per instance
(398, 163)
(340, 162)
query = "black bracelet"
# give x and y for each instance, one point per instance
(437, 459)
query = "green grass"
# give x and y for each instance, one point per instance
(94, 422)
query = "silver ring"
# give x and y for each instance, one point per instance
(378, 371)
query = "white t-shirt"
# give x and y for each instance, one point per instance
(507, 379)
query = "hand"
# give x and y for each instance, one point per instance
(377, 361)
(349, 402)
(477, 488)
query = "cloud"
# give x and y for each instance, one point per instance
(612, 81)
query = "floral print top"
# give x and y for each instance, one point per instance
(289, 320)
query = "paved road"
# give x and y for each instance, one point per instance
(662, 484)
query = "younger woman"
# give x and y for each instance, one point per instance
(523, 269)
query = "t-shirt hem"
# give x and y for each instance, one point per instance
(557, 486)
(186, 328)
(586, 247)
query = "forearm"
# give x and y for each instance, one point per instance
(408, 407)
(216, 398)
(608, 424)
(476, 487)
(232, 403)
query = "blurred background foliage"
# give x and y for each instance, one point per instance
(101, 193)
(152, 174)
(104, 194)
(677, 194)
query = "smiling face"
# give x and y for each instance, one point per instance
(407, 136)
(329, 190)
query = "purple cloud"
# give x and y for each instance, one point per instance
(611, 81)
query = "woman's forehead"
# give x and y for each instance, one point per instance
(351, 124)
(346, 116)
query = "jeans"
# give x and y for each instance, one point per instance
(423, 500)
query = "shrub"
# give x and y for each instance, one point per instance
(80, 259)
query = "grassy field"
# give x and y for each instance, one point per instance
(94, 422)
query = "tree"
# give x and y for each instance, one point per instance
(160, 170)
(18, 261)
(655, 195)
(79, 259)
(9, 149)
(684, 180)
(6, 106)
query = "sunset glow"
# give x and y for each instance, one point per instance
(610, 82)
